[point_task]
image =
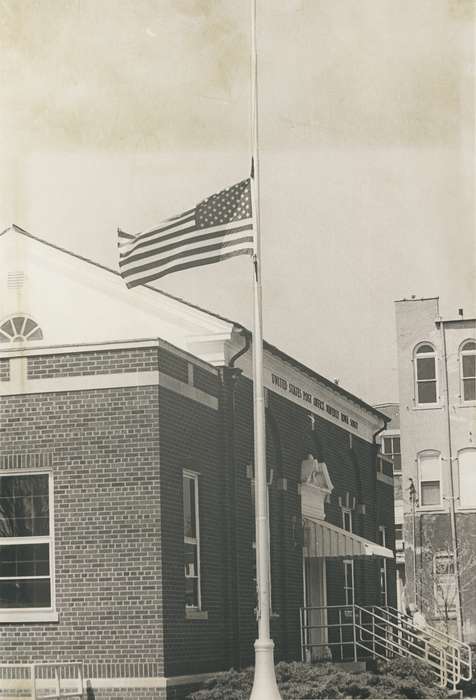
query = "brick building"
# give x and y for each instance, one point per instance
(126, 483)
(437, 390)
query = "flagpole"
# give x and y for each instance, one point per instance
(264, 684)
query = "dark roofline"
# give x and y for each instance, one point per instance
(319, 377)
(271, 348)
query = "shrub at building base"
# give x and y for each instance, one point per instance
(400, 678)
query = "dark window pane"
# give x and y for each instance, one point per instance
(190, 560)
(426, 368)
(398, 532)
(387, 445)
(7, 328)
(427, 392)
(396, 445)
(24, 509)
(29, 326)
(469, 386)
(24, 560)
(25, 593)
(470, 345)
(469, 365)
(191, 592)
(397, 463)
(430, 493)
(425, 348)
(189, 507)
(36, 335)
(18, 323)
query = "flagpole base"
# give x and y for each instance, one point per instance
(264, 683)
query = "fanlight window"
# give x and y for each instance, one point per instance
(468, 370)
(425, 374)
(18, 329)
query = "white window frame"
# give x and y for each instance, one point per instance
(435, 506)
(390, 455)
(422, 356)
(349, 563)
(463, 353)
(16, 615)
(193, 476)
(348, 512)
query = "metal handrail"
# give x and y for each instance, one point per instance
(464, 650)
(385, 632)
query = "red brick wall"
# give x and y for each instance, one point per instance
(94, 362)
(103, 447)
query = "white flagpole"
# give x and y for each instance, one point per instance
(264, 684)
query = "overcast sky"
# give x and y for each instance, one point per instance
(123, 112)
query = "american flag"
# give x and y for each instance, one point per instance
(219, 227)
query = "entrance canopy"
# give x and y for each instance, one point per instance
(321, 539)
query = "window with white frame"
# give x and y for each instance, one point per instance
(468, 370)
(467, 477)
(444, 580)
(191, 538)
(347, 519)
(382, 539)
(426, 381)
(18, 329)
(26, 543)
(391, 448)
(349, 581)
(429, 475)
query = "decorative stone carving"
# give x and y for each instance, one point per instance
(316, 485)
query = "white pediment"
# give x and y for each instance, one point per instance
(316, 486)
(76, 301)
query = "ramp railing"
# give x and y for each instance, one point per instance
(354, 632)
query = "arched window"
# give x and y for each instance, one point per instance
(18, 329)
(429, 477)
(426, 390)
(467, 477)
(468, 370)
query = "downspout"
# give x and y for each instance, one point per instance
(376, 450)
(236, 567)
(459, 618)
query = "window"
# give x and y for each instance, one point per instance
(425, 375)
(347, 519)
(467, 478)
(444, 579)
(349, 582)
(19, 328)
(391, 448)
(398, 531)
(468, 370)
(191, 532)
(382, 539)
(429, 471)
(26, 547)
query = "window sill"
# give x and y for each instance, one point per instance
(196, 614)
(29, 616)
(427, 407)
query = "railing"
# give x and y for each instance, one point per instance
(41, 681)
(352, 633)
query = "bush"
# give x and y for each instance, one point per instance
(399, 678)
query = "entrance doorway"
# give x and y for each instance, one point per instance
(315, 601)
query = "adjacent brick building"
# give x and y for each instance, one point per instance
(126, 483)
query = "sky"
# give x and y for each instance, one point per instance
(124, 112)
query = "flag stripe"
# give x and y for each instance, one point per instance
(186, 265)
(219, 227)
(248, 223)
(160, 262)
(178, 244)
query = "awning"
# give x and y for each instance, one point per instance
(321, 539)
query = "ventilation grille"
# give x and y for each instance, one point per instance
(16, 280)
